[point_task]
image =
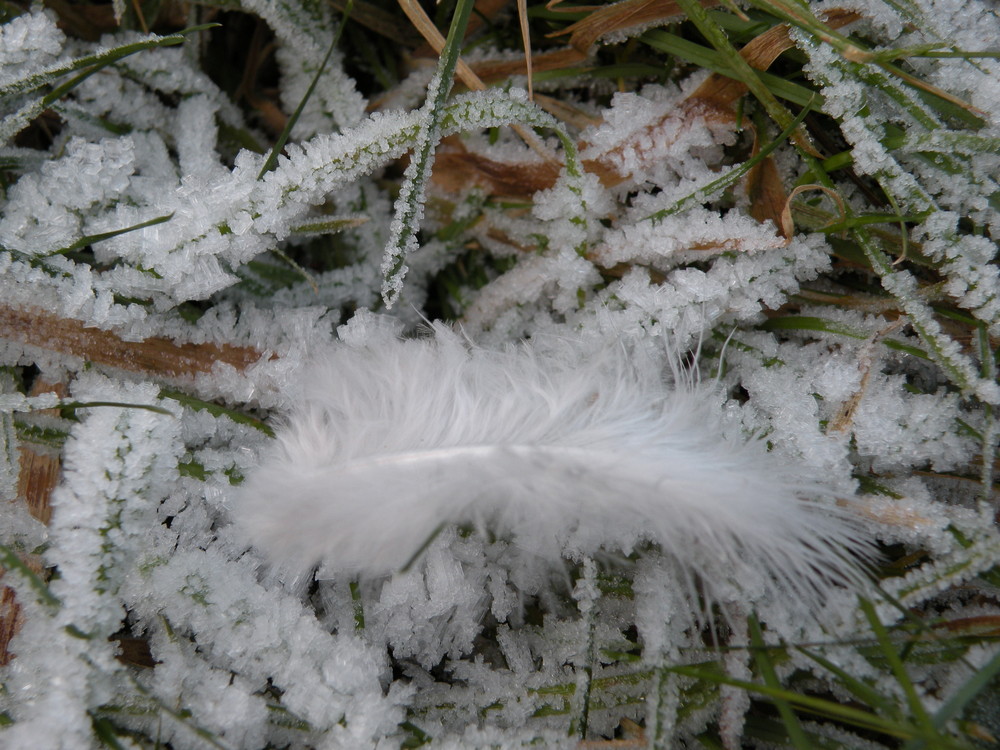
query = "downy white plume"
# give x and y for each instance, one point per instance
(565, 453)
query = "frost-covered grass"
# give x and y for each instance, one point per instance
(802, 198)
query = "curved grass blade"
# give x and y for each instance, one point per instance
(74, 405)
(976, 684)
(818, 706)
(892, 656)
(811, 323)
(99, 60)
(860, 689)
(216, 410)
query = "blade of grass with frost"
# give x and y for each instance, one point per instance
(734, 174)
(972, 687)
(741, 70)
(704, 57)
(17, 121)
(991, 435)
(410, 204)
(566, 453)
(327, 162)
(855, 717)
(10, 458)
(100, 59)
(941, 348)
(272, 157)
(917, 710)
(903, 287)
(216, 410)
(13, 562)
(92, 238)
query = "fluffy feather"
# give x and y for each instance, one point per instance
(564, 453)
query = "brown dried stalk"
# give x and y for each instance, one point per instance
(155, 357)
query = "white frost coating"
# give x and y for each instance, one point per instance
(262, 634)
(792, 413)
(960, 565)
(567, 206)
(14, 402)
(912, 518)
(42, 212)
(973, 278)
(966, 24)
(654, 137)
(734, 287)
(196, 150)
(10, 463)
(219, 219)
(433, 611)
(49, 687)
(27, 43)
(334, 103)
(305, 31)
(861, 110)
(903, 286)
(116, 456)
(703, 232)
(902, 430)
(563, 272)
(220, 702)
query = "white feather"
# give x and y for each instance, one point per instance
(565, 453)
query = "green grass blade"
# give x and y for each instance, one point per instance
(888, 650)
(812, 323)
(731, 177)
(974, 686)
(991, 432)
(15, 123)
(410, 204)
(10, 560)
(709, 59)
(272, 157)
(901, 285)
(766, 668)
(216, 410)
(860, 689)
(104, 730)
(93, 238)
(817, 706)
(74, 405)
(738, 67)
(329, 226)
(98, 61)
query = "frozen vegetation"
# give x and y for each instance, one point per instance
(755, 240)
